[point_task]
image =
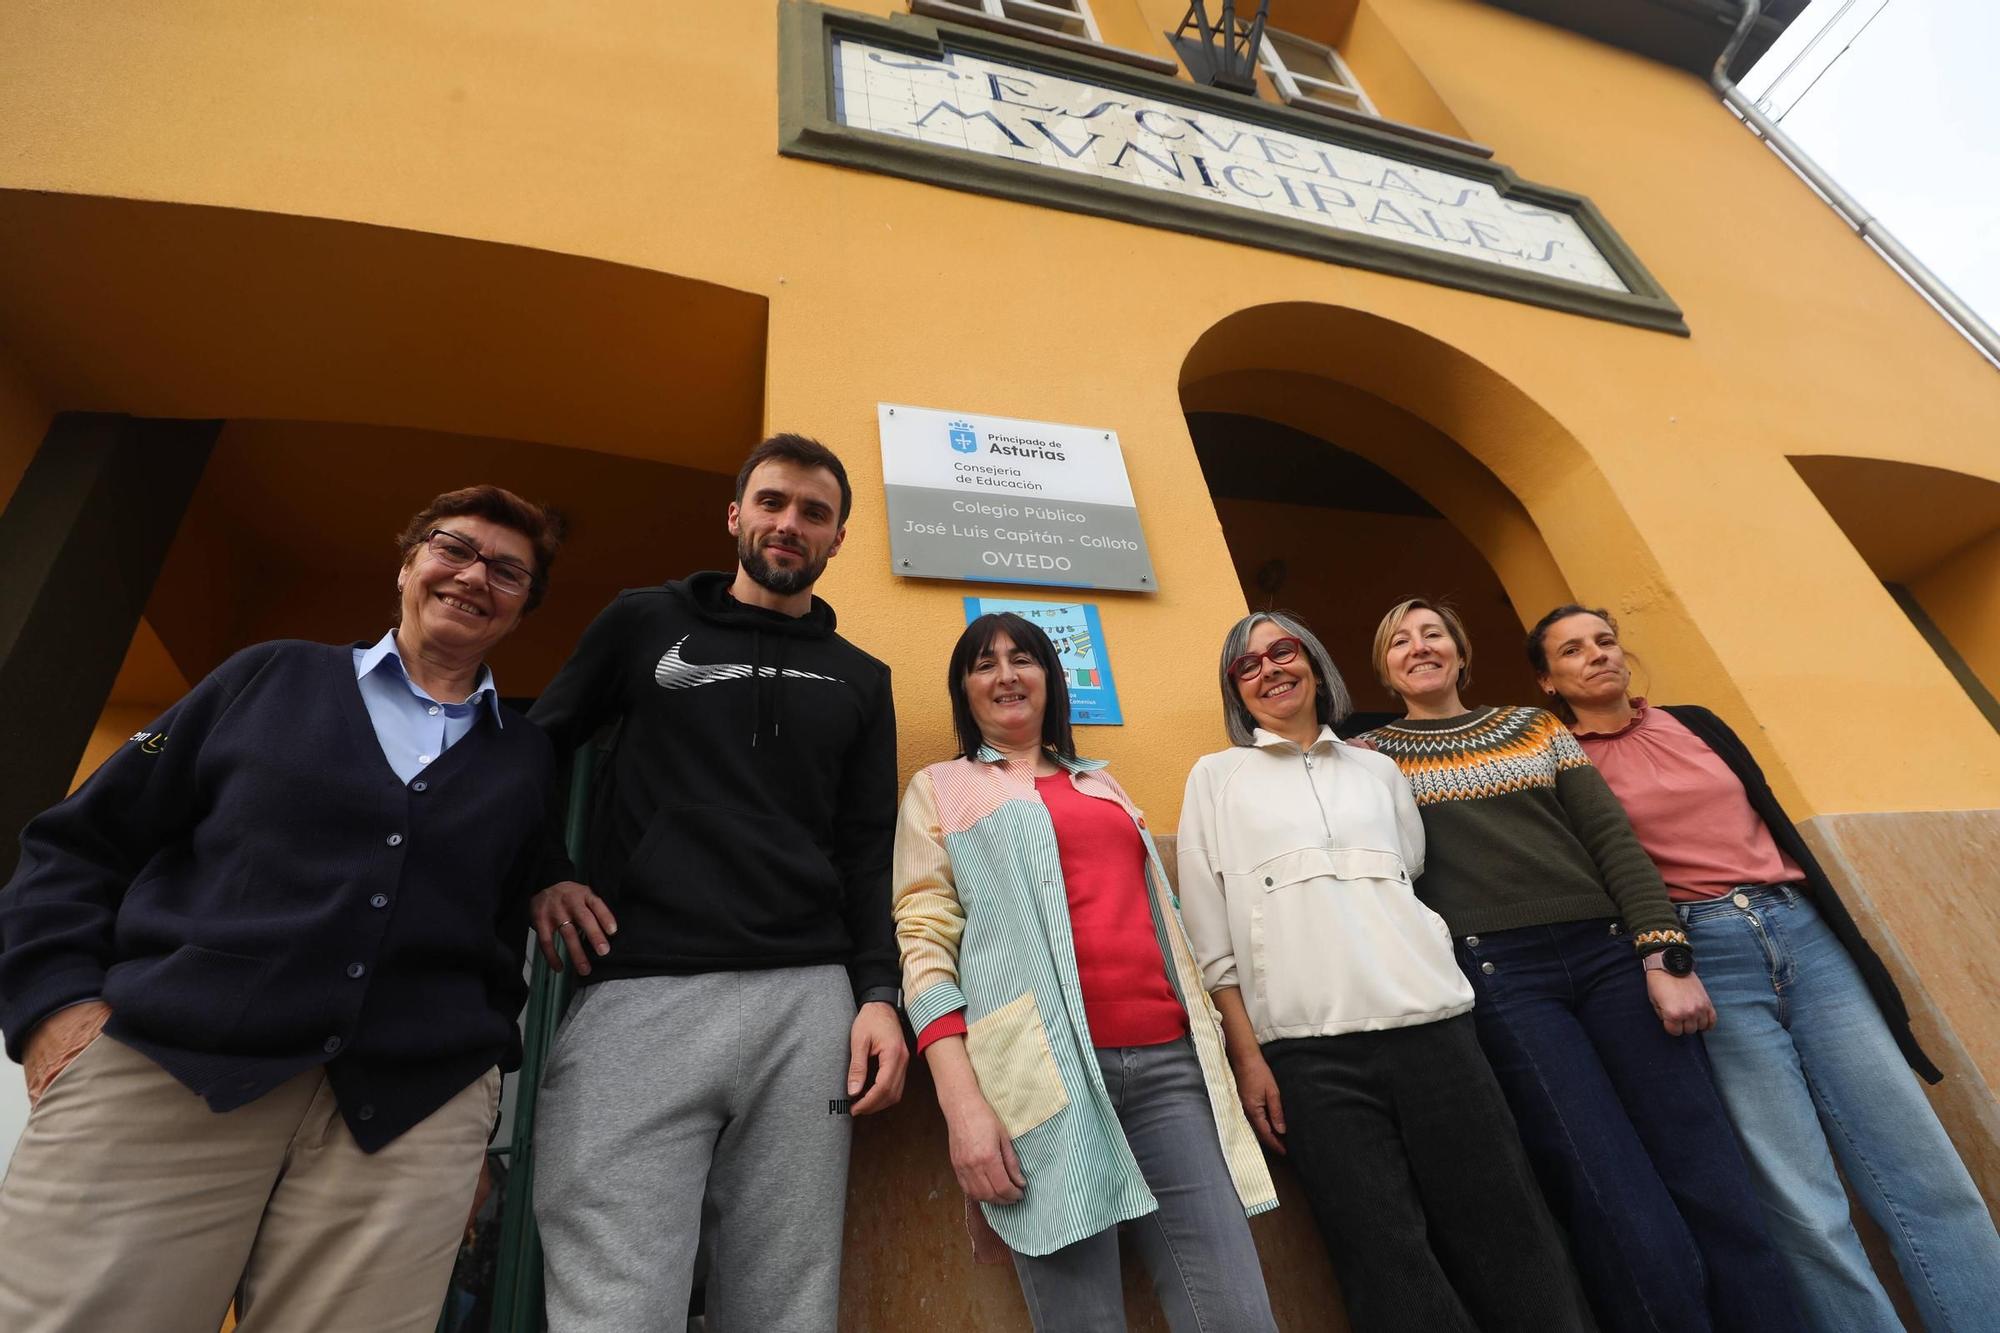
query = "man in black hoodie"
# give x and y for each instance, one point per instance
(739, 930)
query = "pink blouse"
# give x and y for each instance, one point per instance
(1690, 812)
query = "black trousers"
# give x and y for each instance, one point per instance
(1415, 1173)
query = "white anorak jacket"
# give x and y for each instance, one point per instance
(1296, 871)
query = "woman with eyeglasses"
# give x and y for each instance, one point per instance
(1586, 1003)
(262, 970)
(1811, 1035)
(1346, 1018)
(1075, 1053)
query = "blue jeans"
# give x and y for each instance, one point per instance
(1196, 1244)
(1810, 1074)
(1624, 1128)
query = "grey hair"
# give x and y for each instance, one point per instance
(1330, 697)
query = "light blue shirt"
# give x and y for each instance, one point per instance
(414, 728)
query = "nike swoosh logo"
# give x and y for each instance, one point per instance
(677, 673)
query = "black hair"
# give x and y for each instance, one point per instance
(1538, 648)
(806, 452)
(1027, 636)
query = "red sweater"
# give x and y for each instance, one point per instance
(1127, 999)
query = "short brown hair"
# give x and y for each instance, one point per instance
(543, 526)
(1386, 631)
(806, 452)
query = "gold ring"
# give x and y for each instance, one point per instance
(564, 925)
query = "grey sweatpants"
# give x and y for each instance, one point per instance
(663, 1088)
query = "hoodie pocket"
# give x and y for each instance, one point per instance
(781, 891)
(1329, 862)
(1017, 1070)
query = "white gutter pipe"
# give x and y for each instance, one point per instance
(1948, 302)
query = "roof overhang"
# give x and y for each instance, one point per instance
(1689, 34)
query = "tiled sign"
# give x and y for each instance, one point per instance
(963, 100)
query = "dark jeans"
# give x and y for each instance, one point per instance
(1625, 1129)
(1415, 1173)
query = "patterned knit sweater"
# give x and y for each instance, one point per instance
(1521, 830)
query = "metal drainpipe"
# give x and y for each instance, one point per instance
(1867, 224)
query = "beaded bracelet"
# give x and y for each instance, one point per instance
(1647, 939)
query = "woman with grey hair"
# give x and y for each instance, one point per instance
(1346, 1017)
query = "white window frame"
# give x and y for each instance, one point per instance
(998, 9)
(1288, 81)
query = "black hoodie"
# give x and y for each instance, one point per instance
(746, 815)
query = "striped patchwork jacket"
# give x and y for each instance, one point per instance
(982, 918)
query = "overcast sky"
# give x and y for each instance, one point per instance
(1907, 120)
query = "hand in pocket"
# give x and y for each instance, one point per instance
(59, 1039)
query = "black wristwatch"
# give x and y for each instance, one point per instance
(1676, 960)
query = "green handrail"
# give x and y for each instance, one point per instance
(517, 1277)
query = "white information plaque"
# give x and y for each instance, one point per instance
(1003, 500)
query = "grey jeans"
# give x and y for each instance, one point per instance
(1196, 1244)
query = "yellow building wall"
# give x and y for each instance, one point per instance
(651, 143)
(1961, 594)
(1396, 84)
(1652, 468)
(1803, 342)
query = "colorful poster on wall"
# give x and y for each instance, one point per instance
(1078, 637)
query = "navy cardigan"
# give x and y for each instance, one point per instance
(254, 892)
(1715, 734)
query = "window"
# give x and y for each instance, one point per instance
(1305, 71)
(1071, 18)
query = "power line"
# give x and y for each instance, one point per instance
(1866, 24)
(1798, 58)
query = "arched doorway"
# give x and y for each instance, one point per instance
(341, 375)
(1497, 470)
(1318, 530)
(1338, 501)
(353, 371)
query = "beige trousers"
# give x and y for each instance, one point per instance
(130, 1205)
